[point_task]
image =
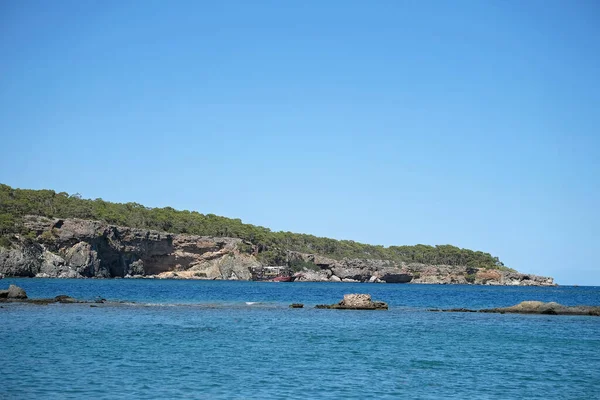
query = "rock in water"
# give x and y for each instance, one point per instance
(15, 292)
(551, 308)
(536, 307)
(63, 298)
(357, 301)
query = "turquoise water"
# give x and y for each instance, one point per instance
(200, 339)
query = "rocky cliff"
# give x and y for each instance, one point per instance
(75, 248)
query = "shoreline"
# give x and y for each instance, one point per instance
(191, 278)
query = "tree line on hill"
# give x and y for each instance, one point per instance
(271, 247)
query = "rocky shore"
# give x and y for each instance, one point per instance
(75, 248)
(382, 271)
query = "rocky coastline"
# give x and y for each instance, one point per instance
(76, 248)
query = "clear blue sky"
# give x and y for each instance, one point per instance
(473, 123)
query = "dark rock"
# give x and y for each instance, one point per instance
(63, 298)
(296, 305)
(396, 278)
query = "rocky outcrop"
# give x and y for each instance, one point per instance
(378, 271)
(356, 302)
(75, 248)
(13, 293)
(536, 307)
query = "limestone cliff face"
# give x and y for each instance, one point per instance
(75, 248)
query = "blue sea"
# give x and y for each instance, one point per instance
(175, 339)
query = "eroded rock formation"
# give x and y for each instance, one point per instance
(74, 248)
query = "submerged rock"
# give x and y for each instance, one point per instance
(551, 308)
(536, 307)
(356, 302)
(63, 298)
(15, 294)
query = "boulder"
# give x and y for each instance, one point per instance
(311, 276)
(15, 292)
(356, 301)
(352, 274)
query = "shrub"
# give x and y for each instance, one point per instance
(245, 247)
(5, 242)
(47, 237)
(299, 265)
(30, 235)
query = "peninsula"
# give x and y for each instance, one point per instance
(49, 234)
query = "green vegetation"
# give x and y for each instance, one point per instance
(5, 242)
(47, 237)
(270, 246)
(299, 265)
